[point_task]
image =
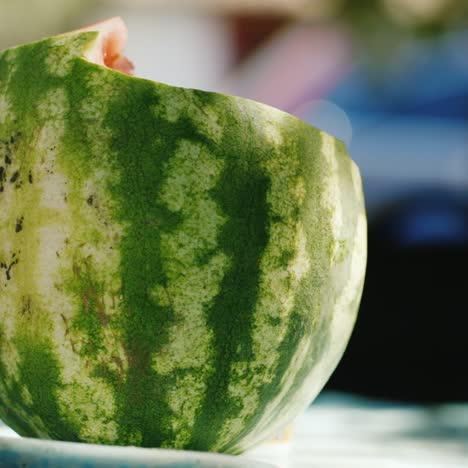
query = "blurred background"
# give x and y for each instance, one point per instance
(389, 78)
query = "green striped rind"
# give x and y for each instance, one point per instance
(179, 268)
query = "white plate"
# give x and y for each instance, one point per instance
(35, 453)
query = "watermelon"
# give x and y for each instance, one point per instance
(179, 268)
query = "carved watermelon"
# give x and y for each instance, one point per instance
(178, 268)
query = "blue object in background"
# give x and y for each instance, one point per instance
(431, 219)
(407, 128)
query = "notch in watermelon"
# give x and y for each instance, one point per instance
(107, 49)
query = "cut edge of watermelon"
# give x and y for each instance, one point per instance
(109, 45)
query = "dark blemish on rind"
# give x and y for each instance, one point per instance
(2, 177)
(26, 309)
(121, 372)
(67, 332)
(14, 177)
(30, 177)
(57, 254)
(90, 200)
(8, 270)
(7, 160)
(19, 224)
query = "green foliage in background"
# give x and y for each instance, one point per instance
(384, 28)
(383, 23)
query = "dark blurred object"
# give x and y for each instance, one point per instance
(411, 337)
(424, 16)
(383, 27)
(249, 32)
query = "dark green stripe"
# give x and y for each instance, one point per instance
(143, 141)
(241, 194)
(4, 68)
(40, 372)
(27, 85)
(142, 403)
(32, 79)
(303, 143)
(11, 402)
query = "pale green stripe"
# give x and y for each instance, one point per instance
(191, 283)
(70, 238)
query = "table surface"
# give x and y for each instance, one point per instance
(341, 431)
